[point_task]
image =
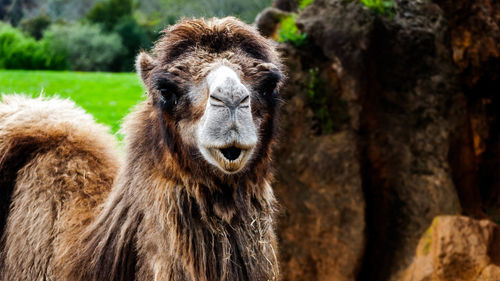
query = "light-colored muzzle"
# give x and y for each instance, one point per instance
(226, 133)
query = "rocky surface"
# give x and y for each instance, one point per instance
(475, 38)
(322, 229)
(318, 184)
(402, 94)
(388, 121)
(457, 248)
(475, 43)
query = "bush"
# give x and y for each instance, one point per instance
(289, 32)
(36, 26)
(18, 51)
(134, 37)
(86, 46)
(304, 3)
(110, 12)
(116, 16)
(169, 11)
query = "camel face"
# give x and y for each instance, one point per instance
(226, 133)
(215, 84)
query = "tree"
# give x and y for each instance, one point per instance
(15, 12)
(134, 37)
(4, 6)
(109, 13)
(36, 26)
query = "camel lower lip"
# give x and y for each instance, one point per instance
(230, 159)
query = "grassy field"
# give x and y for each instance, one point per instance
(107, 96)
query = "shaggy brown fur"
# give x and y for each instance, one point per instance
(63, 162)
(169, 215)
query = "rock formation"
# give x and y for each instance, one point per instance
(391, 120)
(457, 248)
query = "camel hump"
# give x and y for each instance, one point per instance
(50, 145)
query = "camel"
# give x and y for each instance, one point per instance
(189, 199)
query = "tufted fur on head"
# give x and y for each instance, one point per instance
(173, 212)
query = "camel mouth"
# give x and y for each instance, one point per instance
(231, 153)
(230, 159)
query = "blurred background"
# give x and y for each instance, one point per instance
(101, 35)
(388, 165)
(90, 36)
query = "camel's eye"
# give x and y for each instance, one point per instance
(168, 97)
(168, 94)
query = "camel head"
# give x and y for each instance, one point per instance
(214, 84)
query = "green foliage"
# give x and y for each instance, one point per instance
(66, 10)
(107, 96)
(329, 112)
(169, 11)
(137, 23)
(4, 5)
(381, 7)
(116, 16)
(304, 3)
(87, 47)
(319, 101)
(289, 32)
(134, 37)
(18, 51)
(36, 26)
(313, 82)
(15, 12)
(109, 13)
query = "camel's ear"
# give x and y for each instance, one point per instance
(144, 64)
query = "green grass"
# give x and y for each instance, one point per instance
(107, 96)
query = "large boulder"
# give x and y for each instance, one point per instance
(403, 127)
(322, 229)
(457, 248)
(318, 181)
(403, 88)
(397, 79)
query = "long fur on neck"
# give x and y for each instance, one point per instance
(171, 215)
(163, 224)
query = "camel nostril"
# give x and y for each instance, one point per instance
(244, 100)
(218, 99)
(230, 103)
(231, 153)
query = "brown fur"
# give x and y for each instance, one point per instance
(63, 161)
(169, 215)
